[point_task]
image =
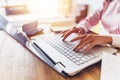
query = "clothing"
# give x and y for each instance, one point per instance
(109, 15)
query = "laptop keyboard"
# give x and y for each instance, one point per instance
(66, 48)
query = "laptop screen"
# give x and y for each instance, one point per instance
(12, 31)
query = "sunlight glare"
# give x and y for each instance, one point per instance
(43, 6)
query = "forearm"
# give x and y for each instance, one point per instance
(90, 21)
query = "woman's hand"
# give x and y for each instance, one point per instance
(67, 32)
(90, 40)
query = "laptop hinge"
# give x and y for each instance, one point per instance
(59, 67)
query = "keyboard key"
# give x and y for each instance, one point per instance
(66, 48)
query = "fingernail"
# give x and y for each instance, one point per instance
(63, 40)
(75, 50)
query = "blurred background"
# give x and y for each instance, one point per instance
(57, 13)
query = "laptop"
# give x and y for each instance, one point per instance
(53, 51)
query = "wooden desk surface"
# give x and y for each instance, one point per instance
(17, 63)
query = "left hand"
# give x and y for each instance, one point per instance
(91, 40)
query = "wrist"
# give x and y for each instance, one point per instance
(110, 40)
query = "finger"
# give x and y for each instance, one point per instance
(81, 42)
(90, 46)
(82, 45)
(66, 35)
(78, 38)
(74, 30)
(64, 32)
(81, 31)
(87, 37)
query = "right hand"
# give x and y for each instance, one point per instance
(67, 32)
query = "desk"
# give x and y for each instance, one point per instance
(17, 63)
